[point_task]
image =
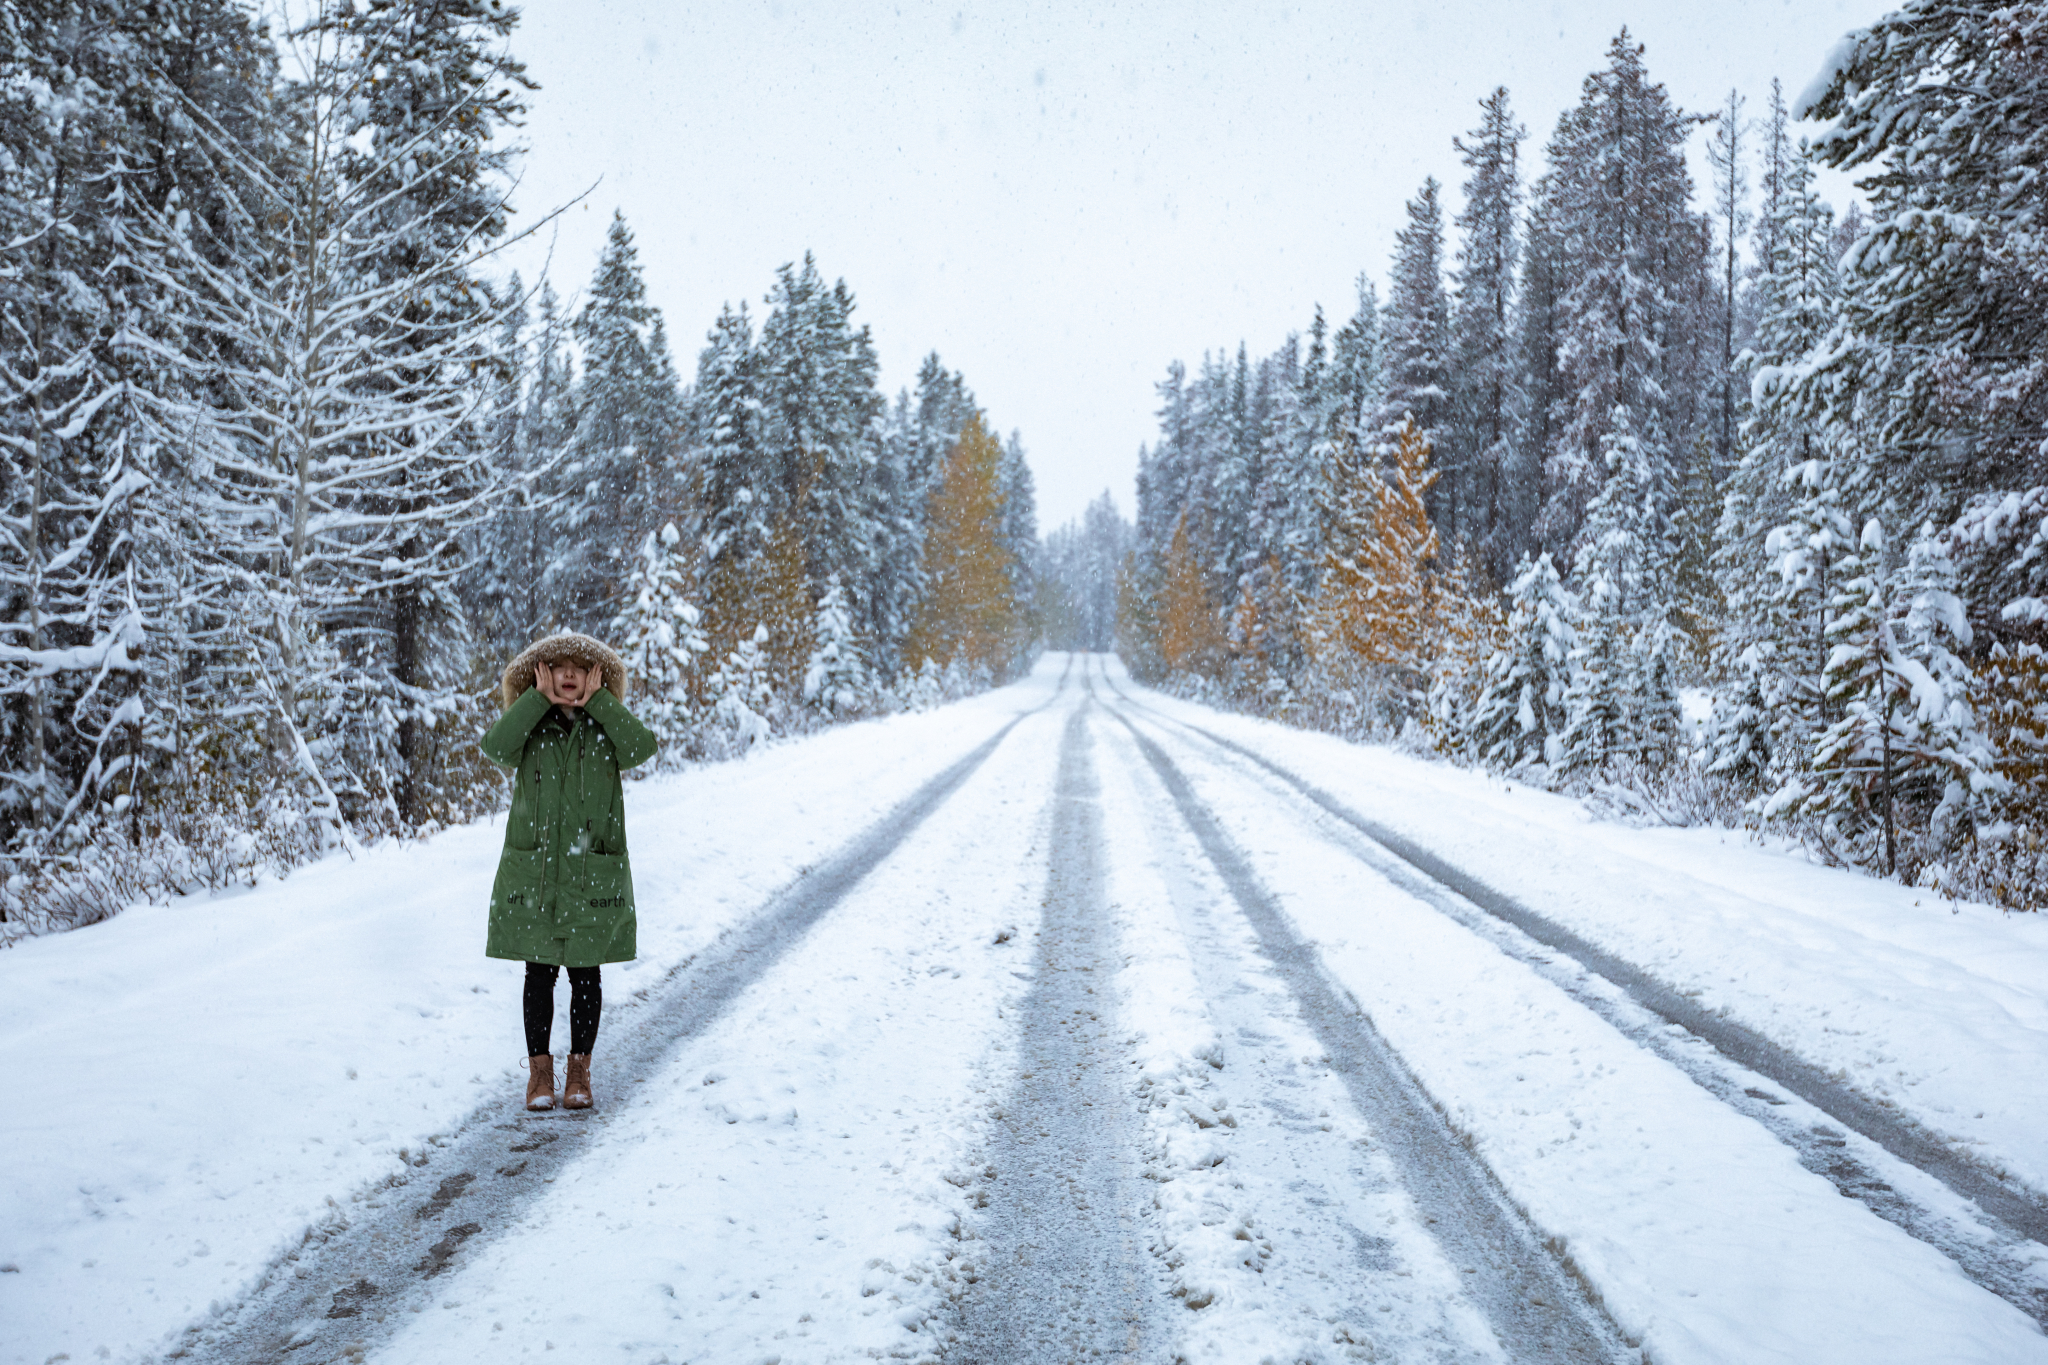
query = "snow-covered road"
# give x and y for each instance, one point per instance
(1069, 1022)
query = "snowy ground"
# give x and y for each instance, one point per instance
(224, 1074)
(812, 1175)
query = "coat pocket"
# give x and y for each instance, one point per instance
(520, 926)
(517, 888)
(598, 892)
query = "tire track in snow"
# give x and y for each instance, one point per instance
(1065, 1278)
(1536, 1312)
(1278, 1217)
(328, 1298)
(1994, 1232)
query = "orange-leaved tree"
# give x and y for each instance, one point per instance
(969, 614)
(1190, 638)
(764, 587)
(1375, 603)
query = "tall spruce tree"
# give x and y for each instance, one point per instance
(1487, 392)
(815, 376)
(1416, 337)
(1727, 155)
(1785, 522)
(1632, 257)
(622, 458)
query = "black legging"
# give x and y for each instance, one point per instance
(586, 999)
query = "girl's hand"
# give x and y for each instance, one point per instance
(544, 679)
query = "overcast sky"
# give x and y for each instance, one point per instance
(1062, 198)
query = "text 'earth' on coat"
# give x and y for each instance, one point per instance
(564, 890)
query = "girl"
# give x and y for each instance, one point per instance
(564, 893)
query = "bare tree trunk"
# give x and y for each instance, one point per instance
(39, 709)
(413, 737)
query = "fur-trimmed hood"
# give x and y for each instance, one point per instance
(517, 679)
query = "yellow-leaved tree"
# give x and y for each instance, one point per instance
(764, 588)
(1190, 638)
(1375, 601)
(969, 614)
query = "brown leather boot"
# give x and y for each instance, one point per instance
(576, 1090)
(540, 1081)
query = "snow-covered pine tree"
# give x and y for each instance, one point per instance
(1470, 628)
(1656, 719)
(1617, 573)
(622, 459)
(1785, 520)
(1486, 395)
(1545, 402)
(1233, 459)
(1138, 584)
(1739, 744)
(1632, 257)
(740, 698)
(658, 632)
(1205, 447)
(944, 405)
(59, 415)
(1776, 161)
(1727, 157)
(123, 131)
(1599, 729)
(1416, 336)
(347, 467)
(1336, 402)
(1520, 715)
(1907, 762)
(1281, 452)
(1694, 599)
(910, 448)
(734, 478)
(837, 680)
(504, 563)
(1020, 532)
(421, 92)
(815, 377)
(1935, 363)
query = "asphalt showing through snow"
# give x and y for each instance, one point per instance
(1066, 1277)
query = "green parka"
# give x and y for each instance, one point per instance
(564, 890)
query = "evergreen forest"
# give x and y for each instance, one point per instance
(1694, 497)
(293, 466)
(1705, 502)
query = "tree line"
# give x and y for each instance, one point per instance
(1626, 444)
(291, 468)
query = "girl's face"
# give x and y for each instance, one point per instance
(572, 679)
